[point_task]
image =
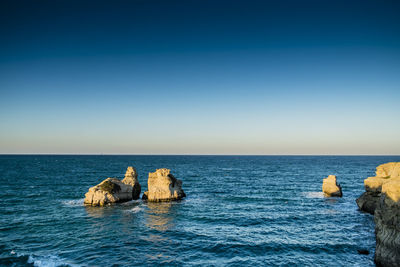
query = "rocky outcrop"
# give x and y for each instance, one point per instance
(385, 173)
(131, 179)
(331, 188)
(387, 225)
(382, 198)
(163, 186)
(113, 190)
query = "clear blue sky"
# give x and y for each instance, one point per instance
(200, 77)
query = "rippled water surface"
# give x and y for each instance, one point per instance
(239, 210)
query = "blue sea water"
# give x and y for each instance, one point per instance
(239, 211)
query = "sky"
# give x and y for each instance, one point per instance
(200, 77)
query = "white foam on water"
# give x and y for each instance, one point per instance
(136, 209)
(48, 261)
(73, 202)
(314, 194)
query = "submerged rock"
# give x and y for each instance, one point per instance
(163, 186)
(385, 173)
(113, 190)
(331, 188)
(363, 251)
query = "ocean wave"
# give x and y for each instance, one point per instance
(49, 261)
(73, 202)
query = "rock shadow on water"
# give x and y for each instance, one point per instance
(331, 200)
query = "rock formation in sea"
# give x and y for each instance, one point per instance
(113, 190)
(382, 198)
(373, 186)
(163, 186)
(331, 188)
(131, 179)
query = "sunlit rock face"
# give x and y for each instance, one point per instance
(330, 187)
(163, 186)
(131, 179)
(373, 185)
(113, 190)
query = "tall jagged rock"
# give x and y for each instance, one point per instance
(113, 190)
(163, 186)
(331, 188)
(131, 179)
(373, 185)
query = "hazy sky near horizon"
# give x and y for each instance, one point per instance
(200, 77)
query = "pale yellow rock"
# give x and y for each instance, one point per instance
(163, 186)
(330, 187)
(391, 169)
(384, 174)
(113, 190)
(392, 189)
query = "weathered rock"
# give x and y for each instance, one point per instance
(387, 225)
(391, 169)
(368, 201)
(131, 179)
(163, 186)
(373, 185)
(113, 190)
(330, 187)
(382, 198)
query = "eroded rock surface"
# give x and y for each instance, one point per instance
(163, 186)
(113, 190)
(387, 225)
(373, 185)
(330, 187)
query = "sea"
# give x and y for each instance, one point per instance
(239, 211)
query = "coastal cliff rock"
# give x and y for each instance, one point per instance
(382, 199)
(330, 187)
(387, 225)
(163, 186)
(385, 173)
(113, 190)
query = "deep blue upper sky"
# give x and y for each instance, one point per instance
(200, 77)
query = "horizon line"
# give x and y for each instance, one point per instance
(132, 154)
